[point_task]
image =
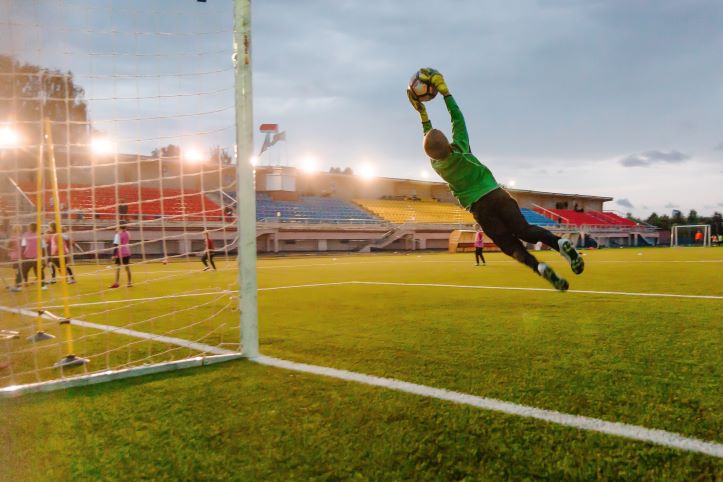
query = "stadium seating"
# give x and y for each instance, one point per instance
(586, 218)
(145, 202)
(311, 209)
(419, 212)
(535, 218)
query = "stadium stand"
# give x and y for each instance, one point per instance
(419, 212)
(143, 202)
(586, 218)
(311, 209)
(535, 218)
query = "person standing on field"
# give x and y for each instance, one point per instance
(122, 254)
(479, 244)
(54, 259)
(476, 189)
(208, 252)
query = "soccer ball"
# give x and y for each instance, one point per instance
(422, 90)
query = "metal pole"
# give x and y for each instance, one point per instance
(245, 191)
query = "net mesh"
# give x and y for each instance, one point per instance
(128, 108)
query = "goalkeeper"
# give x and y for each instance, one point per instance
(475, 187)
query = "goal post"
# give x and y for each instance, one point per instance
(246, 193)
(690, 235)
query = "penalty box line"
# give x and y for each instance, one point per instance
(634, 432)
(516, 288)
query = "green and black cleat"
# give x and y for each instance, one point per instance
(568, 251)
(547, 273)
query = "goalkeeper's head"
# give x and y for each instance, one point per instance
(436, 145)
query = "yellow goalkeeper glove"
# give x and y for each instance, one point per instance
(418, 106)
(435, 78)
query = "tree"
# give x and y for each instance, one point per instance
(220, 155)
(653, 220)
(693, 217)
(677, 217)
(29, 93)
(171, 151)
(664, 222)
(716, 222)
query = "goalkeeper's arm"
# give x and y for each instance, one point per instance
(419, 107)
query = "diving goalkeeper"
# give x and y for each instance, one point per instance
(476, 189)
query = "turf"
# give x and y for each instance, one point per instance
(651, 361)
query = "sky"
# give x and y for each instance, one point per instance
(608, 98)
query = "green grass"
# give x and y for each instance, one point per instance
(650, 361)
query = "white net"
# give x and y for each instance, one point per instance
(116, 130)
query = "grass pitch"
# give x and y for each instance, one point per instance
(653, 361)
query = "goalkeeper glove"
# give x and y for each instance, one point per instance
(418, 106)
(435, 78)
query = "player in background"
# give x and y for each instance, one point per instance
(476, 189)
(479, 244)
(54, 259)
(122, 254)
(208, 252)
(15, 254)
(30, 254)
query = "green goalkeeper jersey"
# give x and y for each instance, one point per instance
(468, 178)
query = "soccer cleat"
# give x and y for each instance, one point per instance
(206, 268)
(114, 285)
(547, 273)
(15, 289)
(568, 251)
(130, 285)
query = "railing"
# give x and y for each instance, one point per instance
(307, 220)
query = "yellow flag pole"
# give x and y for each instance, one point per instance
(39, 334)
(70, 359)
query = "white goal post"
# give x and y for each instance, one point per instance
(690, 235)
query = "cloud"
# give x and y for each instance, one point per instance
(719, 147)
(648, 158)
(624, 203)
(671, 206)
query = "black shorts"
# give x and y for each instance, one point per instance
(126, 260)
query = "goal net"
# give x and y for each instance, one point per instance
(118, 189)
(690, 235)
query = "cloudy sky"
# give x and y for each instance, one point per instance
(612, 98)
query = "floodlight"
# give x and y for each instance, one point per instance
(366, 171)
(309, 165)
(193, 155)
(102, 145)
(9, 137)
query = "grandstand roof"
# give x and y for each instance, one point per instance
(586, 196)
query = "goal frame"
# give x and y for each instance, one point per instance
(674, 234)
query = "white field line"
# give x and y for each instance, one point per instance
(514, 288)
(635, 432)
(134, 333)
(389, 283)
(362, 262)
(186, 295)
